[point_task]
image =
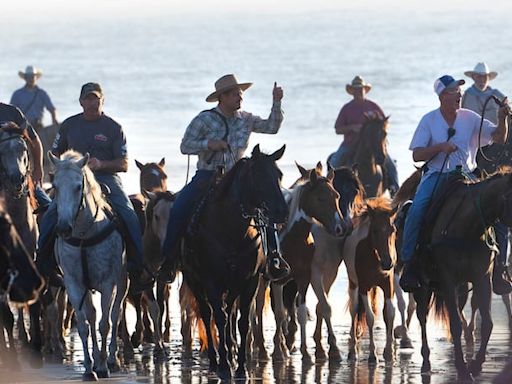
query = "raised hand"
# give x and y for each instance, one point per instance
(277, 92)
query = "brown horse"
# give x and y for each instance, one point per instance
(370, 154)
(460, 250)
(314, 200)
(370, 256)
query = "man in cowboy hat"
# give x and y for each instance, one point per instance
(103, 138)
(349, 122)
(445, 138)
(32, 100)
(211, 135)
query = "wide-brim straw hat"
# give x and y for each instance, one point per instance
(30, 70)
(224, 84)
(358, 82)
(482, 69)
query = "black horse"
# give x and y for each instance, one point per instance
(223, 256)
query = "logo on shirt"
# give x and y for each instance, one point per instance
(100, 137)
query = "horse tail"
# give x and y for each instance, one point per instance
(441, 311)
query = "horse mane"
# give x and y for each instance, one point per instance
(408, 188)
(227, 180)
(159, 195)
(293, 200)
(68, 159)
(349, 174)
(380, 204)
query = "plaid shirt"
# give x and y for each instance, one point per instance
(209, 126)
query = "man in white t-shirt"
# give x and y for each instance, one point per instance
(446, 138)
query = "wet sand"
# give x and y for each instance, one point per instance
(405, 368)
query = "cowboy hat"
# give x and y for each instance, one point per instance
(226, 83)
(31, 71)
(358, 82)
(481, 69)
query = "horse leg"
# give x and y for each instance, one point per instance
(61, 307)
(482, 291)
(411, 307)
(289, 301)
(68, 320)
(154, 311)
(36, 341)
(100, 362)
(139, 325)
(506, 302)
(401, 331)
(422, 298)
(186, 319)
(245, 303)
(148, 327)
(162, 297)
(469, 329)
(370, 322)
(257, 327)
(354, 303)
(221, 320)
(206, 316)
(321, 284)
(280, 350)
(20, 323)
(167, 323)
(117, 307)
(128, 353)
(302, 315)
(389, 317)
(9, 355)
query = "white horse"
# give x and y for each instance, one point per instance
(90, 252)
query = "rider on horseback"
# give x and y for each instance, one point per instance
(95, 133)
(446, 138)
(219, 137)
(349, 122)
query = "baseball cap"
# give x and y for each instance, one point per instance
(446, 82)
(89, 88)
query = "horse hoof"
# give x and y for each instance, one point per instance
(425, 368)
(372, 360)
(114, 367)
(320, 354)
(306, 358)
(334, 354)
(352, 357)
(465, 377)
(36, 360)
(224, 374)
(278, 356)
(405, 343)
(398, 332)
(263, 355)
(103, 374)
(475, 368)
(91, 376)
(136, 340)
(241, 373)
(388, 354)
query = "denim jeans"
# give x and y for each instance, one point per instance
(121, 205)
(182, 209)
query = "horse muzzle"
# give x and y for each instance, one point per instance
(276, 267)
(64, 230)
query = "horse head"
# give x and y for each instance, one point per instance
(14, 159)
(373, 136)
(382, 231)
(74, 186)
(19, 277)
(319, 200)
(152, 176)
(157, 212)
(347, 184)
(260, 185)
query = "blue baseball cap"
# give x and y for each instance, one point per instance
(446, 82)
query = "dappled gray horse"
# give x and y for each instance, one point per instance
(90, 252)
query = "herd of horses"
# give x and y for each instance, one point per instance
(246, 219)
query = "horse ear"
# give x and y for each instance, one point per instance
(162, 162)
(319, 168)
(139, 164)
(330, 175)
(148, 194)
(355, 169)
(303, 171)
(256, 151)
(83, 161)
(54, 159)
(278, 154)
(313, 177)
(329, 167)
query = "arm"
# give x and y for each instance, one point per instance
(36, 149)
(194, 140)
(500, 134)
(427, 153)
(273, 123)
(108, 166)
(50, 107)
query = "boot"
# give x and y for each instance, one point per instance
(501, 284)
(167, 272)
(46, 265)
(140, 276)
(410, 279)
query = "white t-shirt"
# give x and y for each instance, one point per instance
(433, 129)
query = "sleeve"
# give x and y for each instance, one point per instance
(422, 136)
(270, 125)
(60, 144)
(47, 101)
(14, 99)
(195, 140)
(342, 118)
(378, 109)
(119, 146)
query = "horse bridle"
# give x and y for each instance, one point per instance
(8, 280)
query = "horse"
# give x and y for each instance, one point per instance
(370, 255)
(221, 263)
(460, 250)
(312, 200)
(329, 255)
(20, 282)
(90, 251)
(17, 188)
(370, 154)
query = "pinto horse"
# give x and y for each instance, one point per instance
(370, 255)
(90, 251)
(314, 200)
(370, 154)
(223, 254)
(460, 251)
